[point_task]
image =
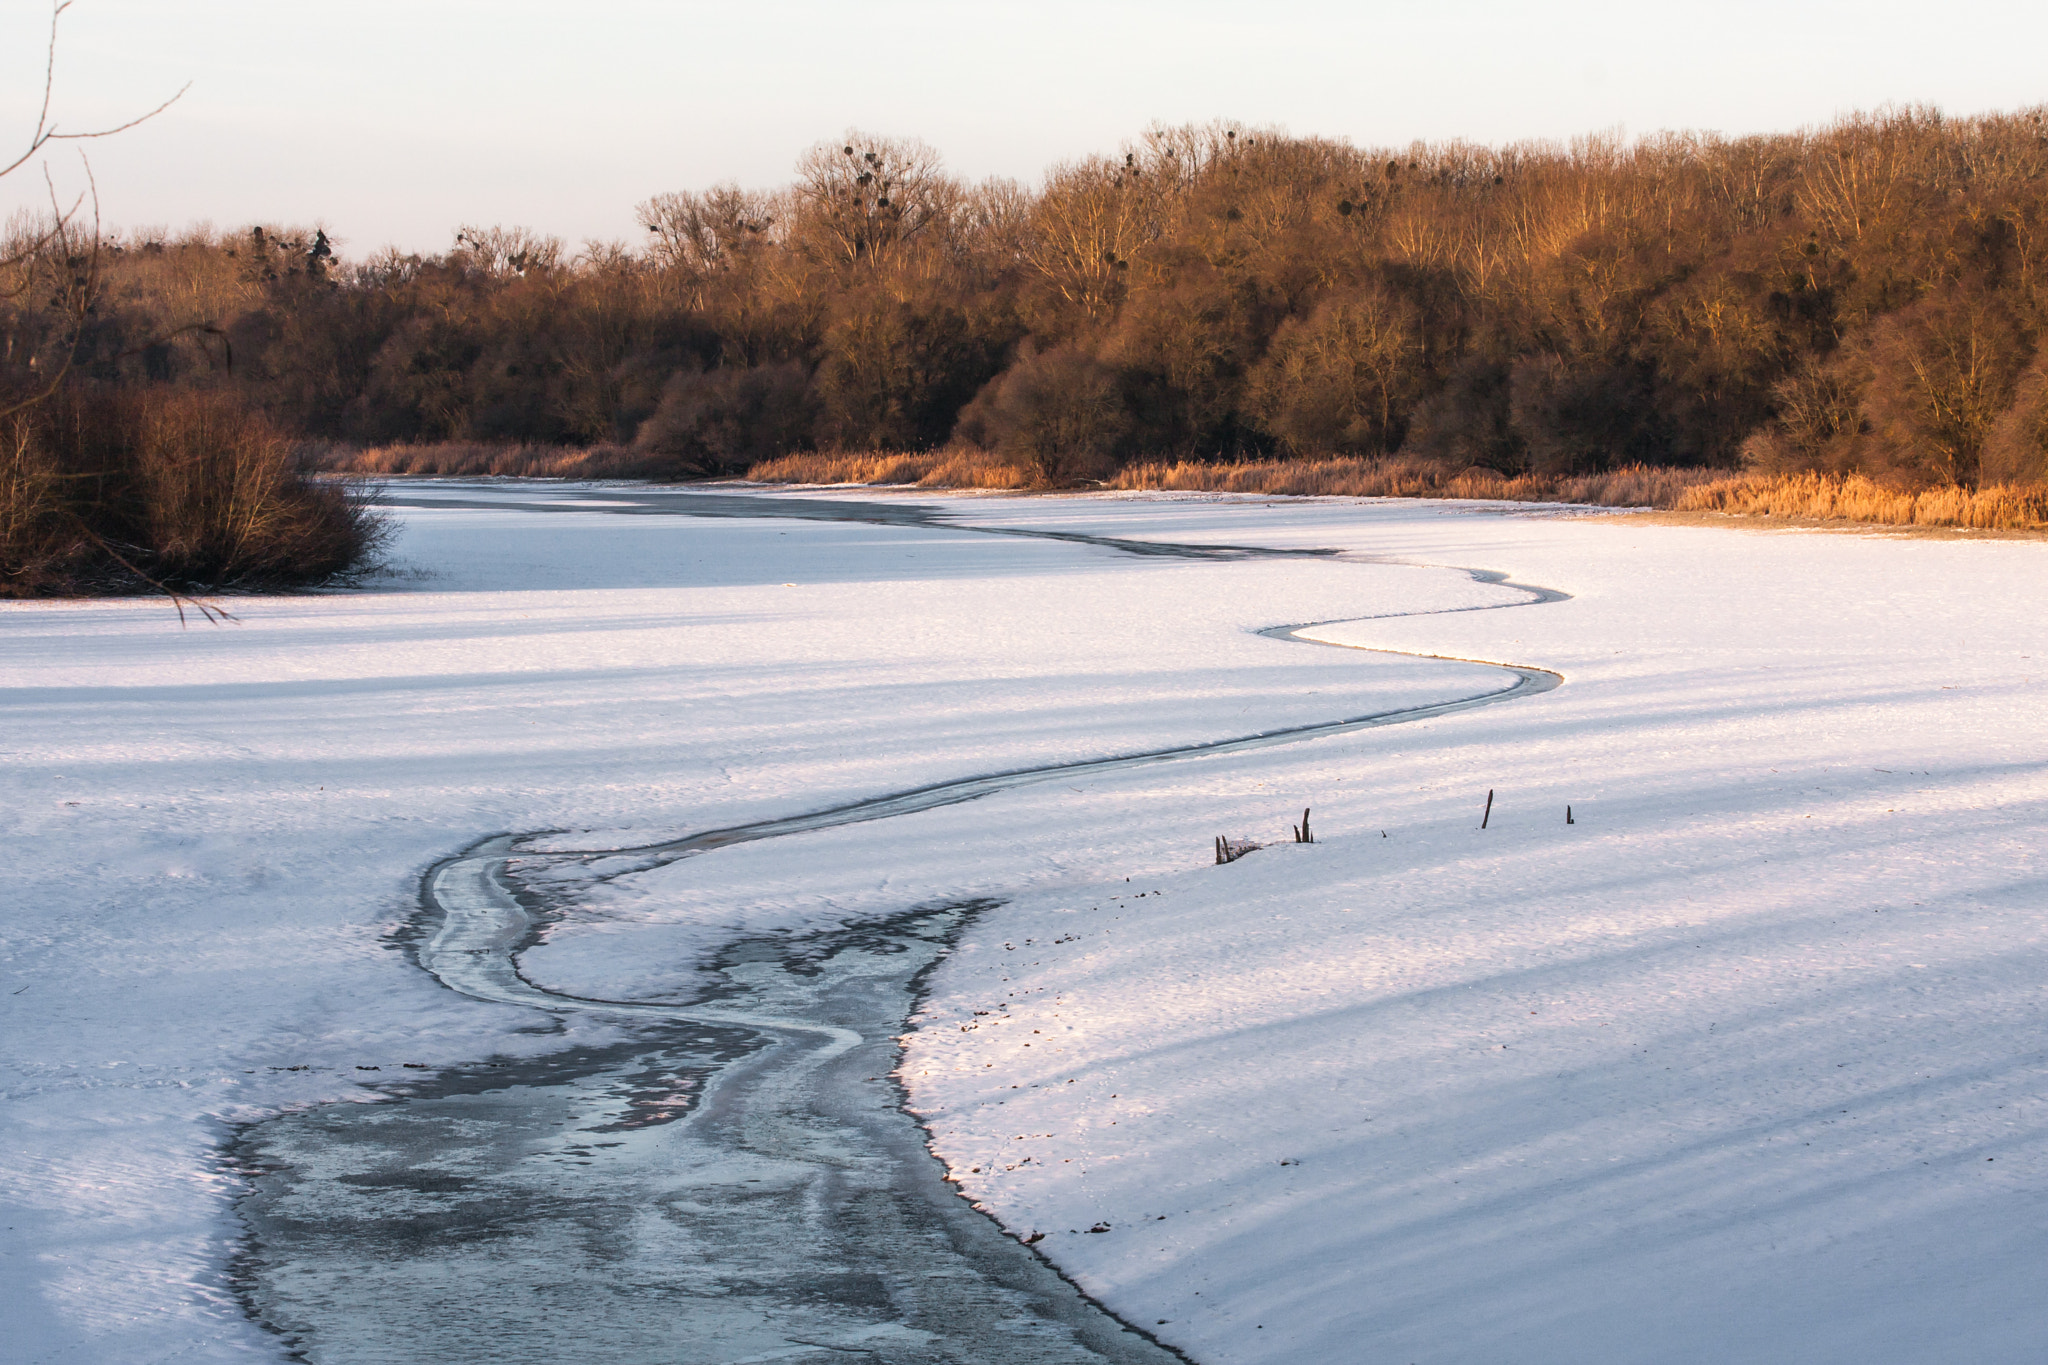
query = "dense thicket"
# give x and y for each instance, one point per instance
(112, 491)
(1866, 296)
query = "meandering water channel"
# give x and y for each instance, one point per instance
(737, 1181)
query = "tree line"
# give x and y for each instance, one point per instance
(1865, 296)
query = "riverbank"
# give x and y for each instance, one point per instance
(1808, 499)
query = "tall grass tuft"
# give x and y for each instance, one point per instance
(955, 467)
(152, 490)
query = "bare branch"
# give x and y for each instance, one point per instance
(45, 131)
(208, 612)
(54, 136)
(37, 139)
(81, 294)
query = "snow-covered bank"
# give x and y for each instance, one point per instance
(1747, 1063)
(1457, 1041)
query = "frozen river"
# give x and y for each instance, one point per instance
(1756, 1040)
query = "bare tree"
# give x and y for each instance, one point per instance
(508, 252)
(1856, 174)
(56, 251)
(994, 217)
(865, 200)
(700, 233)
(1084, 228)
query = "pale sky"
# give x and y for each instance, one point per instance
(393, 121)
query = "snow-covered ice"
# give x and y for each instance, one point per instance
(1744, 1064)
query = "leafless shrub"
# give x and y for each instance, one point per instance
(721, 421)
(1943, 371)
(1820, 415)
(186, 492)
(1343, 379)
(1580, 418)
(2016, 447)
(1469, 421)
(1057, 414)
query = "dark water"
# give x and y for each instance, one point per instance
(705, 1193)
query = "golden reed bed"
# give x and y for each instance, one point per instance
(953, 468)
(1798, 497)
(1827, 497)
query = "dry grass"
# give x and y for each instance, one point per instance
(951, 468)
(456, 458)
(1827, 497)
(1801, 497)
(955, 468)
(1636, 486)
